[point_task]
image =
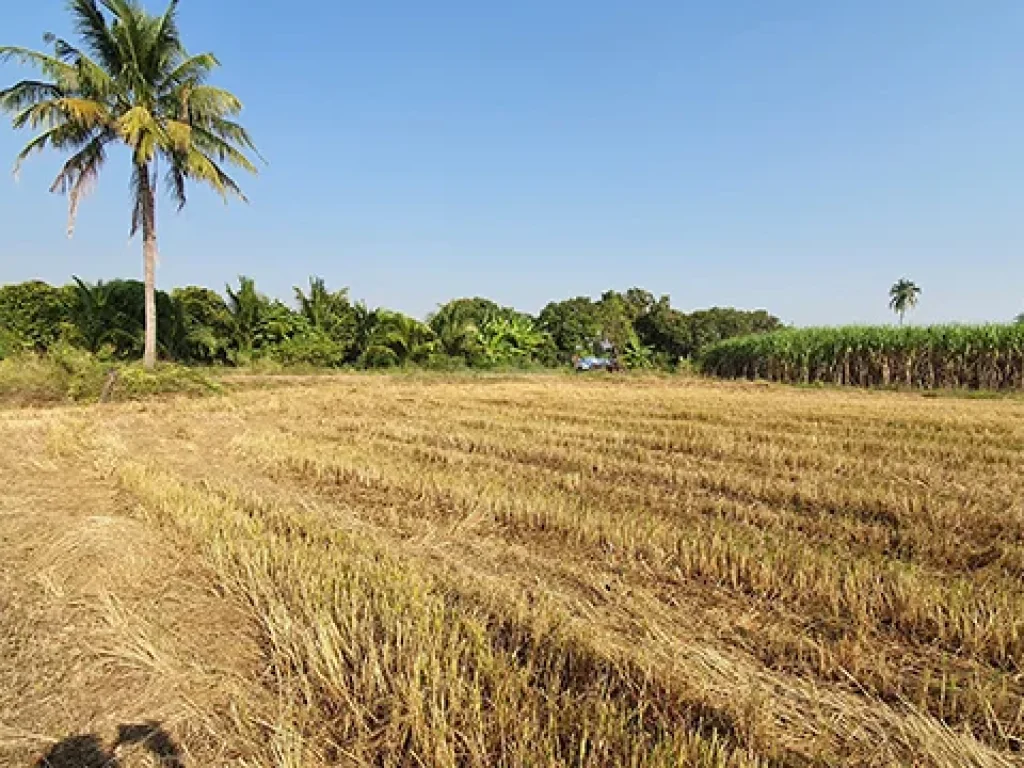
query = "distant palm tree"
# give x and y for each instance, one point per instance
(131, 82)
(457, 332)
(903, 296)
(97, 320)
(366, 323)
(406, 337)
(315, 306)
(330, 312)
(247, 308)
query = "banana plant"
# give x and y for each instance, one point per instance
(636, 356)
(507, 339)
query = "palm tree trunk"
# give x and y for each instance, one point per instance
(148, 204)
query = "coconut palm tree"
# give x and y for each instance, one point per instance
(397, 338)
(130, 81)
(317, 305)
(458, 334)
(326, 310)
(247, 308)
(903, 296)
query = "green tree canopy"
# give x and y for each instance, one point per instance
(574, 324)
(34, 313)
(468, 328)
(206, 324)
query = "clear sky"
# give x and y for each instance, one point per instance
(795, 155)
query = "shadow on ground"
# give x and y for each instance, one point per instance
(88, 751)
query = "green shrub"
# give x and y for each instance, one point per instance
(203, 324)
(83, 374)
(69, 375)
(31, 380)
(10, 344)
(33, 313)
(313, 347)
(379, 356)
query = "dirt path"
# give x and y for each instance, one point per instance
(114, 650)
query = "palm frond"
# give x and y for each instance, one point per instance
(85, 112)
(191, 72)
(85, 292)
(85, 76)
(130, 38)
(205, 101)
(222, 150)
(231, 131)
(79, 174)
(91, 25)
(92, 79)
(64, 136)
(62, 49)
(179, 136)
(198, 166)
(142, 132)
(26, 93)
(174, 180)
(167, 39)
(45, 63)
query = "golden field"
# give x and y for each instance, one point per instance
(515, 571)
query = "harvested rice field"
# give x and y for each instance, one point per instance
(362, 570)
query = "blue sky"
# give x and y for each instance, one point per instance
(794, 155)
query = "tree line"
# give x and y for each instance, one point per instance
(326, 328)
(130, 81)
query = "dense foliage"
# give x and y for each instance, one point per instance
(982, 357)
(326, 328)
(32, 315)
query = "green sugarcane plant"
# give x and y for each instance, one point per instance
(975, 357)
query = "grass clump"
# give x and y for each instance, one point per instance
(134, 382)
(69, 375)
